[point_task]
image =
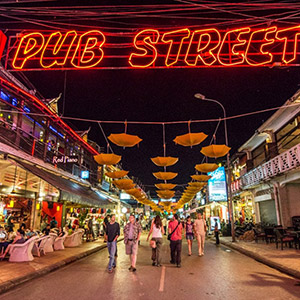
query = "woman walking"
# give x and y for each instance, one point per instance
(189, 233)
(157, 231)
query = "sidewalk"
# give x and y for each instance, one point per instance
(286, 260)
(13, 274)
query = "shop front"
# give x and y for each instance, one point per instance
(244, 208)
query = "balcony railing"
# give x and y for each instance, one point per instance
(283, 162)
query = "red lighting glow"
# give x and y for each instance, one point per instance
(152, 48)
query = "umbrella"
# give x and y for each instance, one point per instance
(197, 184)
(205, 168)
(165, 186)
(165, 194)
(123, 184)
(134, 192)
(107, 159)
(215, 150)
(165, 175)
(116, 174)
(190, 139)
(201, 177)
(163, 161)
(124, 139)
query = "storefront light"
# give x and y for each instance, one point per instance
(124, 210)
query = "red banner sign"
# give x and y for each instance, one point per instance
(151, 48)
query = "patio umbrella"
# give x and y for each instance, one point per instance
(107, 159)
(116, 174)
(124, 184)
(165, 175)
(124, 139)
(165, 186)
(165, 194)
(215, 150)
(190, 139)
(205, 168)
(134, 192)
(163, 161)
(201, 177)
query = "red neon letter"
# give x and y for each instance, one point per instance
(230, 56)
(266, 56)
(290, 38)
(213, 39)
(57, 49)
(30, 44)
(91, 53)
(175, 39)
(3, 39)
(143, 41)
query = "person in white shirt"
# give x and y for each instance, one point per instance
(200, 232)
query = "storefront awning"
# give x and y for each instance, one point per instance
(69, 190)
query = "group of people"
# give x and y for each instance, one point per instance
(132, 232)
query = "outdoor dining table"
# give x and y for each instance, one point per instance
(296, 235)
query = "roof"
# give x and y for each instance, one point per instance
(281, 117)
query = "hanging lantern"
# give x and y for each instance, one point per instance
(11, 203)
(215, 150)
(124, 139)
(72, 209)
(162, 161)
(107, 159)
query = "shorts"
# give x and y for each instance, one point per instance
(190, 237)
(131, 248)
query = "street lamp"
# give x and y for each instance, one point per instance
(202, 97)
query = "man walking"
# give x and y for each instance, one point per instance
(112, 233)
(200, 230)
(132, 233)
(175, 230)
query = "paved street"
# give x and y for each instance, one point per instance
(219, 274)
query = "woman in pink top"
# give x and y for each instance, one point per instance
(200, 231)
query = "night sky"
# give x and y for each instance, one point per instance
(168, 95)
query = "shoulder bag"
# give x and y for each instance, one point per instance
(170, 234)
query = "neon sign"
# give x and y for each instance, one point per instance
(151, 48)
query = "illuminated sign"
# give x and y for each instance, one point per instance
(85, 174)
(64, 159)
(151, 48)
(217, 185)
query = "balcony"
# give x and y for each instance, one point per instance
(283, 162)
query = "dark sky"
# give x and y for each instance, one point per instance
(167, 95)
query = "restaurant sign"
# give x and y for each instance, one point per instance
(152, 48)
(64, 159)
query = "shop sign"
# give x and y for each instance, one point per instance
(152, 48)
(64, 159)
(105, 185)
(217, 190)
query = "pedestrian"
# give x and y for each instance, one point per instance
(105, 222)
(164, 224)
(189, 234)
(200, 230)
(132, 234)
(175, 236)
(112, 233)
(90, 230)
(216, 230)
(157, 232)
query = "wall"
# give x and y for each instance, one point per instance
(52, 212)
(289, 202)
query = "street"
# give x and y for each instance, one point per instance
(219, 274)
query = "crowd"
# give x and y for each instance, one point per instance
(159, 227)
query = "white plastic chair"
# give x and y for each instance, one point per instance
(72, 240)
(22, 252)
(39, 246)
(59, 242)
(49, 244)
